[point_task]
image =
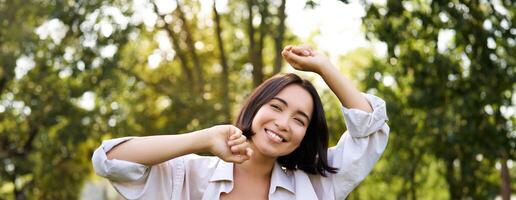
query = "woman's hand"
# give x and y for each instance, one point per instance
(304, 58)
(229, 144)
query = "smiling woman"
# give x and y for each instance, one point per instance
(277, 149)
(288, 103)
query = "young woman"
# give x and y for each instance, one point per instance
(278, 148)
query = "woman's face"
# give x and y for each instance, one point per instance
(280, 124)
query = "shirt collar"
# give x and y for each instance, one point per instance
(223, 172)
(279, 178)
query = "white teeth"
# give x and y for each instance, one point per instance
(276, 137)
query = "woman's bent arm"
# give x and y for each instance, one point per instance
(152, 150)
(224, 141)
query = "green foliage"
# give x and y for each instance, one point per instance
(48, 132)
(445, 102)
(446, 97)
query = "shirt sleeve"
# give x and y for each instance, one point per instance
(360, 147)
(133, 180)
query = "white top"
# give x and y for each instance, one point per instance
(193, 177)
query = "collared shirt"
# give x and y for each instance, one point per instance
(193, 177)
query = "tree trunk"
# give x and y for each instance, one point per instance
(253, 56)
(3, 83)
(264, 14)
(18, 193)
(506, 179)
(34, 130)
(182, 57)
(278, 38)
(177, 48)
(223, 63)
(190, 42)
(453, 190)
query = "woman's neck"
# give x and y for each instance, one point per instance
(258, 165)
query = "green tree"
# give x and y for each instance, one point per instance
(449, 82)
(98, 52)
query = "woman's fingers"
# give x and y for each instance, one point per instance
(294, 59)
(238, 143)
(302, 50)
(240, 148)
(234, 133)
(240, 158)
(230, 144)
(238, 140)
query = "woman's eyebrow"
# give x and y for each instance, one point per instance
(298, 111)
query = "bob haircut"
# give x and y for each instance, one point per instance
(311, 155)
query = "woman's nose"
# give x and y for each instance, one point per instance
(282, 122)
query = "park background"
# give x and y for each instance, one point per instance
(74, 73)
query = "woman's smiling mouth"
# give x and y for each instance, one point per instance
(274, 136)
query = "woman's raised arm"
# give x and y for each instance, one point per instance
(305, 59)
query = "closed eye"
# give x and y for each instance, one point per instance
(276, 107)
(299, 121)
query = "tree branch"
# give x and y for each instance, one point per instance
(191, 47)
(278, 38)
(224, 64)
(179, 52)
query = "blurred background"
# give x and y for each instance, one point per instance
(74, 73)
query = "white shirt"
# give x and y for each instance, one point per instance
(193, 177)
